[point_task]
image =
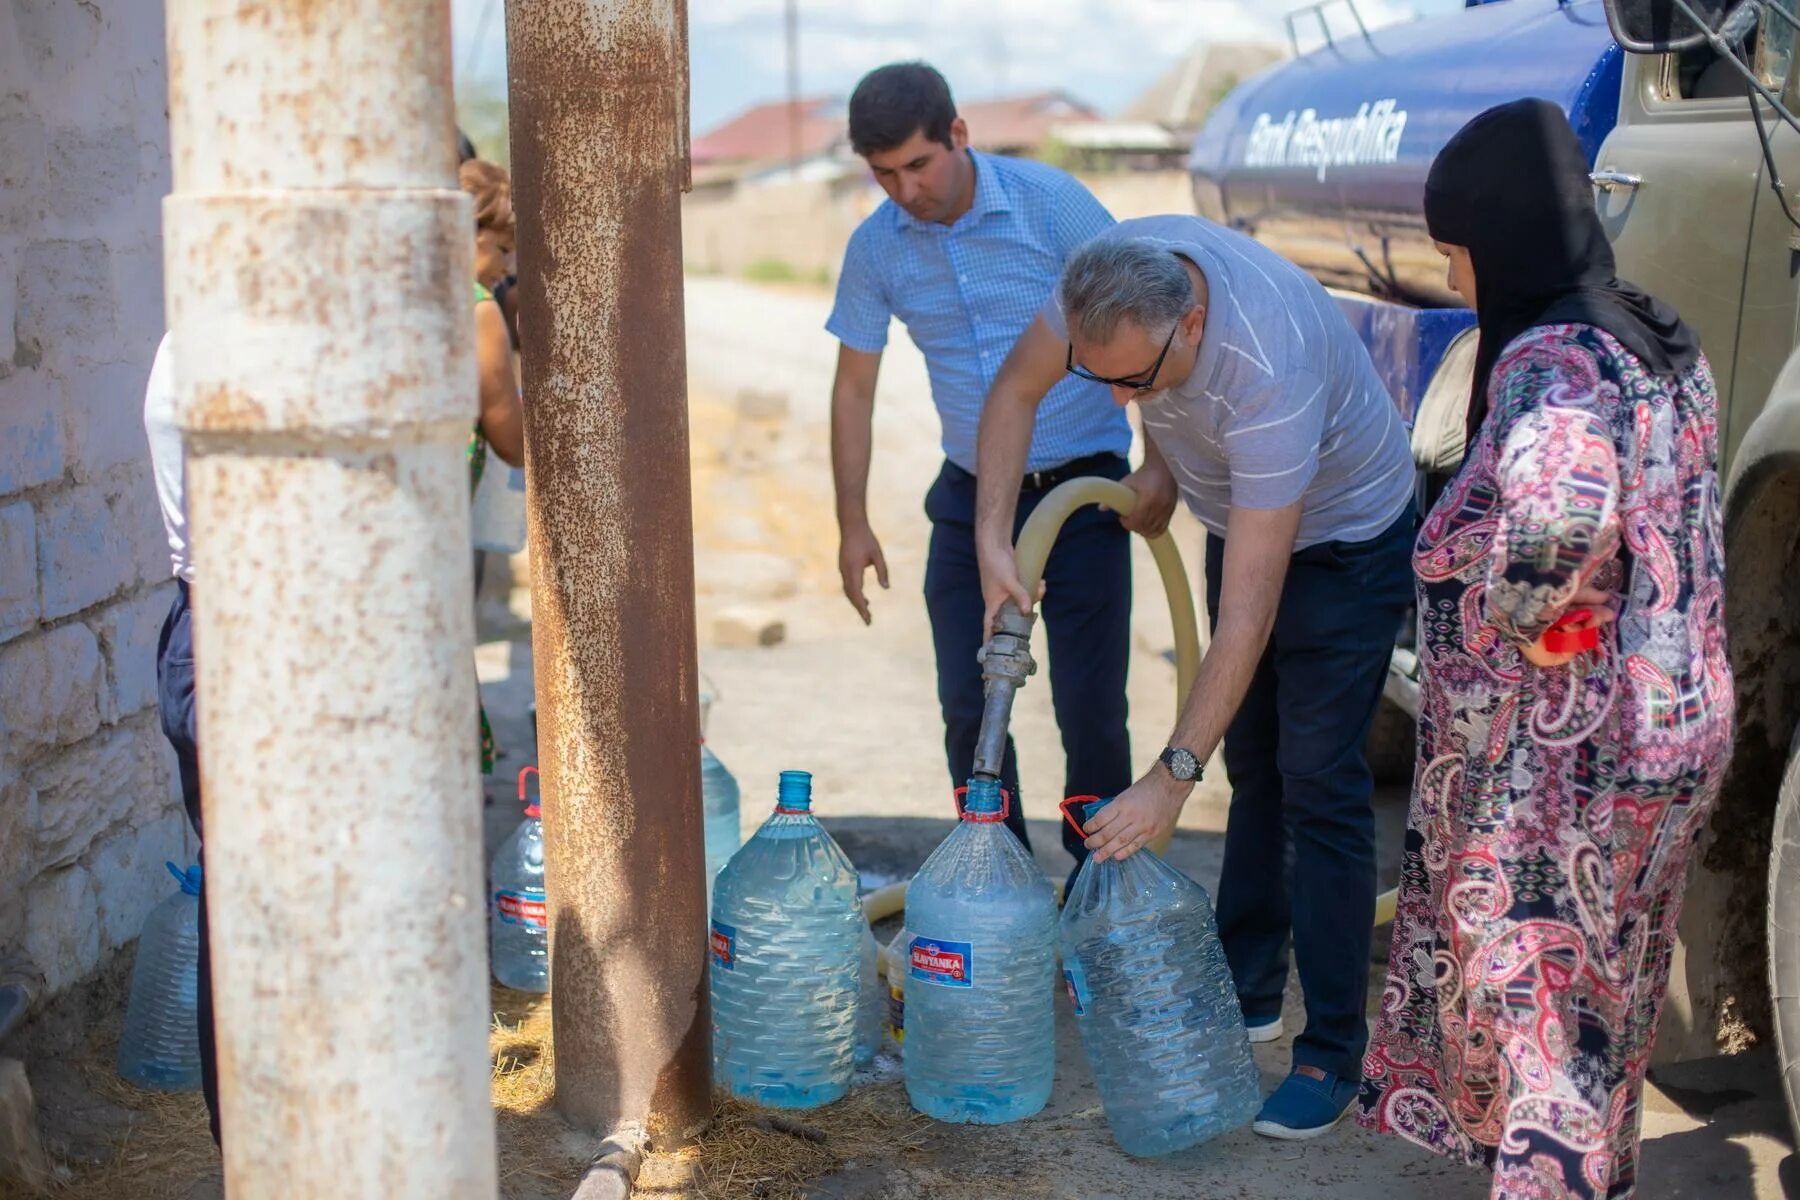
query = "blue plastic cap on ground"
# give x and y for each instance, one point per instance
(795, 790)
(983, 795)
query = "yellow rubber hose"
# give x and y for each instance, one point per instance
(1031, 553)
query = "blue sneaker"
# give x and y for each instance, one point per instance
(1308, 1102)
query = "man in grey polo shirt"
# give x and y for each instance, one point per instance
(1288, 449)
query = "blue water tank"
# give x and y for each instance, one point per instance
(1323, 158)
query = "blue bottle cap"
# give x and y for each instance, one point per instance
(983, 797)
(795, 792)
(188, 879)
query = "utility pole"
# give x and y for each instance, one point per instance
(599, 104)
(328, 495)
(792, 13)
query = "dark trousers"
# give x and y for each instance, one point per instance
(175, 704)
(1087, 618)
(1300, 838)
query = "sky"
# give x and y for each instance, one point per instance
(1103, 51)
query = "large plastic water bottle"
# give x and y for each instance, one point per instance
(787, 943)
(519, 925)
(159, 1046)
(980, 1022)
(871, 1001)
(1154, 1001)
(719, 800)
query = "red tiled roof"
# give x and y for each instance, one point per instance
(760, 134)
(1021, 122)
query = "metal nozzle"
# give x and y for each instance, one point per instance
(1006, 664)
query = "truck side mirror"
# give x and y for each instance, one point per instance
(1671, 26)
(1438, 427)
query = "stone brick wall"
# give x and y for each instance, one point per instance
(89, 806)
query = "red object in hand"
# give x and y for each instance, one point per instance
(1575, 632)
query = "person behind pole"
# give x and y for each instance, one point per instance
(963, 252)
(1286, 446)
(500, 422)
(1559, 794)
(175, 679)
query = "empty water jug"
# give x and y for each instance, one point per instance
(787, 944)
(871, 1002)
(519, 924)
(1154, 1001)
(159, 1046)
(980, 1018)
(719, 802)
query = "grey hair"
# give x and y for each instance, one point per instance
(1111, 280)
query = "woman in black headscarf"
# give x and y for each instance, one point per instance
(1560, 789)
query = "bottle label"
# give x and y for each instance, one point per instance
(896, 1012)
(522, 908)
(724, 946)
(1076, 982)
(947, 964)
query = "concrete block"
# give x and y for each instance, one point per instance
(62, 929)
(55, 36)
(746, 573)
(93, 173)
(130, 878)
(18, 818)
(90, 788)
(138, 283)
(9, 285)
(31, 432)
(24, 167)
(18, 570)
(762, 407)
(103, 415)
(94, 541)
(54, 682)
(129, 632)
(24, 1164)
(748, 628)
(66, 302)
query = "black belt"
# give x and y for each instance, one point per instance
(1075, 468)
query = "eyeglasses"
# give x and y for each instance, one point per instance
(1138, 383)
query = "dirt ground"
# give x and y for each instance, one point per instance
(857, 707)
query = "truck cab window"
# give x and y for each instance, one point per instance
(1700, 74)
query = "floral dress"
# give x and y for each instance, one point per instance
(1555, 809)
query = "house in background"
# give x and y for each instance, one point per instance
(766, 144)
(1024, 125)
(1182, 96)
(771, 139)
(1154, 131)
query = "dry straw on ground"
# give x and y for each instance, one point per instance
(157, 1146)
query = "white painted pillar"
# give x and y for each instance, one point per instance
(319, 288)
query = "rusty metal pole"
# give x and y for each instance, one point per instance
(599, 149)
(319, 280)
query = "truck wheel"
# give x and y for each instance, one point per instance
(1784, 931)
(1393, 746)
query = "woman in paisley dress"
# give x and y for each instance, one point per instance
(1558, 795)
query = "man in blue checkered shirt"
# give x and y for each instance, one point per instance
(964, 252)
